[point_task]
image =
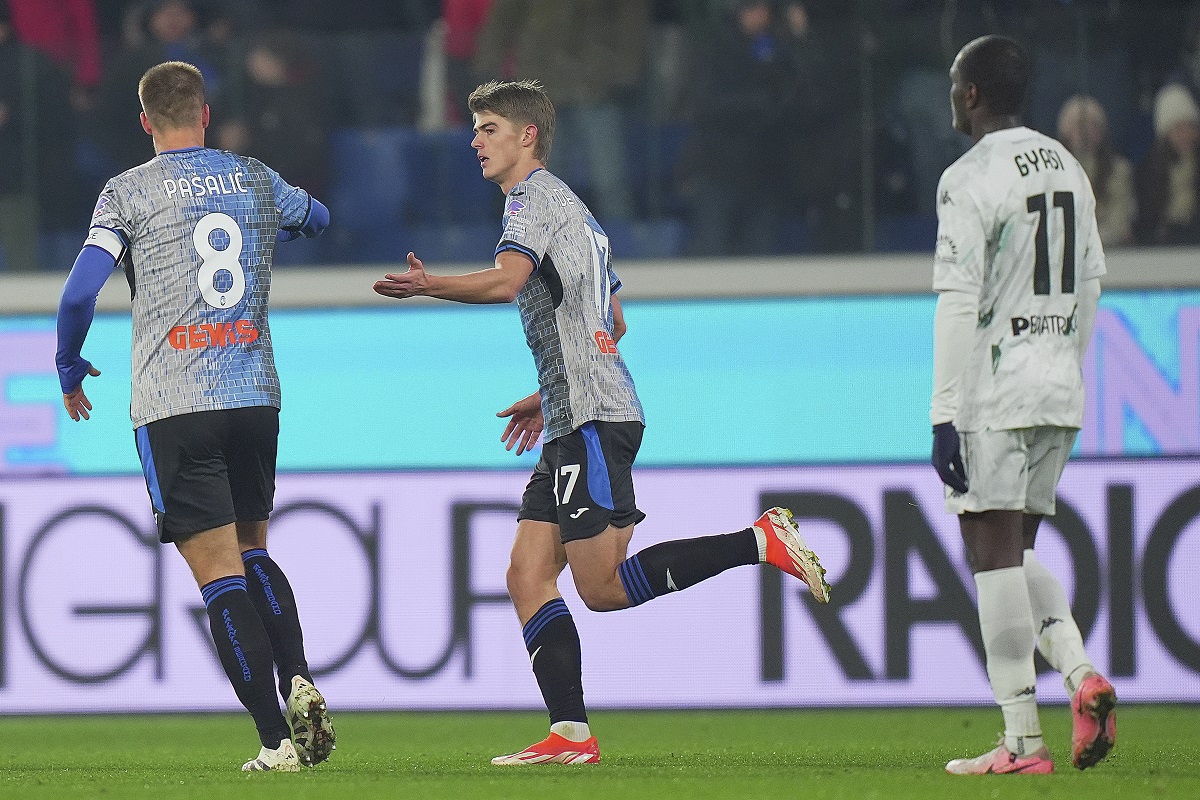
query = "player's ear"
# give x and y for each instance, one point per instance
(971, 96)
(205, 116)
(146, 124)
(530, 135)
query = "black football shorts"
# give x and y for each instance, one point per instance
(210, 468)
(584, 480)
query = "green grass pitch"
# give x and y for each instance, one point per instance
(805, 755)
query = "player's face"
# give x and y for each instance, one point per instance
(958, 99)
(497, 143)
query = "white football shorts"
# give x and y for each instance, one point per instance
(1012, 470)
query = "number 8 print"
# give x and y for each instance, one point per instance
(213, 260)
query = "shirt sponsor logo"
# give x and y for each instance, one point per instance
(218, 334)
(606, 343)
(1037, 324)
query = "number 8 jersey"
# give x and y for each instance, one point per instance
(1017, 229)
(195, 232)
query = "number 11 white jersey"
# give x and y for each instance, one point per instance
(1017, 229)
(195, 231)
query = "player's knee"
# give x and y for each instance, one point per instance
(524, 580)
(603, 598)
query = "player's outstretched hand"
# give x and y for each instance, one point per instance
(947, 459)
(524, 425)
(76, 402)
(405, 284)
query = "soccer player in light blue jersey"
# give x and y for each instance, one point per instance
(195, 230)
(579, 507)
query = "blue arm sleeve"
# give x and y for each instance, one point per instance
(75, 311)
(315, 222)
(318, 219)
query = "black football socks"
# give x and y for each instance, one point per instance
(673, 566)
(553, 645)
(245, 653)
(275, 603)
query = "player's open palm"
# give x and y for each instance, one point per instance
(525, 423)
(76, 402)
(404, 284)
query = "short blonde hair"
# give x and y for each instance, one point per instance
(520, 102)
(172, 95)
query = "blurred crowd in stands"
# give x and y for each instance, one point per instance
(690, 127)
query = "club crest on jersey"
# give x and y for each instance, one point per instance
(514, 207)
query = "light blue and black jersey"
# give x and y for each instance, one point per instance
(195, 231)
(566, 306)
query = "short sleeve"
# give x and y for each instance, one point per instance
(112, 225)
(528, 215)
(614, 282)
(293, 202)
(958, 261)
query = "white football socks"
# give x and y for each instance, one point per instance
(572, 731)
(1006, 621)
(1058, 640)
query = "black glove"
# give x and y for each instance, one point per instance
(946, 458)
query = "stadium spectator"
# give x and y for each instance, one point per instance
(590, 55)
(579, 508)
(66, 31)
(163, 30)
(463, 19)
(746, 86)
(1014, 394)
(1168, 180)
(806, 108)
(913, 45)
(36, 140)
(1080, 46)
(281, 116)
(195, 230)
(1083, 128)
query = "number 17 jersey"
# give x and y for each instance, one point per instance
(1017, 229)
(195, 232)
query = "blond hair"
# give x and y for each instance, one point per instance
(522, 103)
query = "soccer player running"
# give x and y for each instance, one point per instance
(1017, 271)
(195, 231)
(579, 507)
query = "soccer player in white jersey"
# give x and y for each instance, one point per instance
(195, 230)
(1017, 271)
(579, 507)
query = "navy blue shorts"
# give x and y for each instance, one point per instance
(209, 468)
(584, 481)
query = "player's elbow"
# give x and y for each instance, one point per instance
(506, 292)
